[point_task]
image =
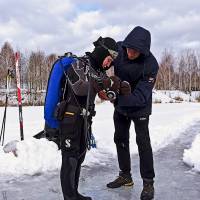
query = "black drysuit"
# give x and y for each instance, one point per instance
(73, 136)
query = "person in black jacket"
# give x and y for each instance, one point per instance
(137, 68)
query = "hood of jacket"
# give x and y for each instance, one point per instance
(138, 39)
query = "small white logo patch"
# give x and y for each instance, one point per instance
(142, 118)
(151, 80)
(67, 143)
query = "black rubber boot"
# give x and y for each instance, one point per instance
(148, 190)
(77, 175)
(121, 180)
(67, 176)
(81, 197)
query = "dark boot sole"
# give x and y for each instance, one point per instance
(125, 185)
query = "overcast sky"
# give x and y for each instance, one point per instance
(72, 25)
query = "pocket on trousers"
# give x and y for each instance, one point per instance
(70, 117)
(70, 133)
(68, 124)
(69, 127)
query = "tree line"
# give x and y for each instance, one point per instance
(34, 67)
(180, 72)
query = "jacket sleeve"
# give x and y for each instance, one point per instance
(142, 92)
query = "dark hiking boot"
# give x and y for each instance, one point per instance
(121, 180)
(81, 197)
(148, 190)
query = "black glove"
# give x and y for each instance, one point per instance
(115, 84)
(110, 83)
(125, 88)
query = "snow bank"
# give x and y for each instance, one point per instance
(37, 156)
(172, 96)
(159, 97)
(192, 156)
(33, 156)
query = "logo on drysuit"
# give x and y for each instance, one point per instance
(67, 143)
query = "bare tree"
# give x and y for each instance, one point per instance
(166, 71)
(7, 60)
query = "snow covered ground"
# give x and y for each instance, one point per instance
(192, 156)
(37, 156)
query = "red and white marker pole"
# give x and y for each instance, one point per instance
(17, 57)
